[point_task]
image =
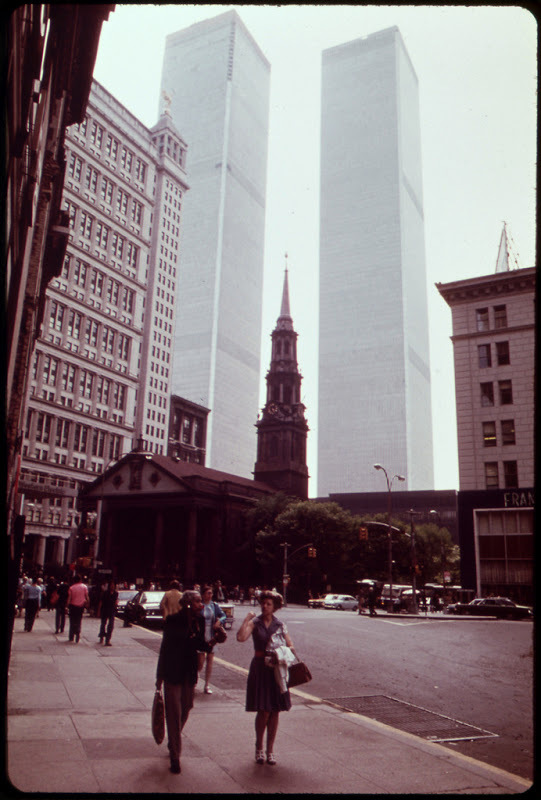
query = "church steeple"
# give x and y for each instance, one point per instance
(282, 430)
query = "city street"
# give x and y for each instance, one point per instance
(479, 672)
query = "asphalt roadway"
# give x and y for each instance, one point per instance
(79, 722)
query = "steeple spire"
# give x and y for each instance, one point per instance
(502, 262)
(285, 322)
(284, 311)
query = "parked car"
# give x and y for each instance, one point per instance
(341, 601)
(316, 602)
(144, 607)
(124, 595)
(501, 607)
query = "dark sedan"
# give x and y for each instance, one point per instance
(145, 607)
(500, 607)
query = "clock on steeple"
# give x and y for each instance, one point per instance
(282, 429)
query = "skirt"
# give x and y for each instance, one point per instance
(262, 691)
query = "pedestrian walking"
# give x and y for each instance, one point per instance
(263, 694)
(32, 599)
(372, 601)
(107, 611)
(183, 637)
(170, 602)
(214, 617)
(62, 590)
(78, 600)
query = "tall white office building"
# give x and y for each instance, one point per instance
(216, 82)
(374, 373)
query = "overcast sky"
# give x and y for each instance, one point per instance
(477, 70)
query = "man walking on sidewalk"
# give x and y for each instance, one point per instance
(107, 611)
(78, 600)
(32, 599)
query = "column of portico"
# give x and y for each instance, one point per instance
(158, 542)
(40, 551)
(191, 539)
(60, 550)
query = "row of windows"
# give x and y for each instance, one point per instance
(115, 197)
(507, 433)
(67, 321)
(484, 352)
(505, 393)
(113, 148)
(72, 435)
(117, 246)
(69, 376)
(95, 281)
(499, 317)
(172, 147)
(510, 475)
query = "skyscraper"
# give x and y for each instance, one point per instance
(216, 81)
(374, 374)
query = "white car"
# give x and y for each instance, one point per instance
(341, 601)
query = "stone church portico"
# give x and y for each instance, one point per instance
(158, 518)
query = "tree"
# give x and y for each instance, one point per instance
(436, 554)
(331, 530)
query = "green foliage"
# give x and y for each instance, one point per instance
(342, 556)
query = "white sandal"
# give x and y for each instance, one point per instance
(271, 759)
(260, 756)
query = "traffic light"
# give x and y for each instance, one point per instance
(363, 532)
(312, 553)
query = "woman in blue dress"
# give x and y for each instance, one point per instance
(263, 694)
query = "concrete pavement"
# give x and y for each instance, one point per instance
(79, 721)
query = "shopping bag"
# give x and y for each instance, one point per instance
(158, 717)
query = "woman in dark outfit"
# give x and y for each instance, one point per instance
(262, 691)
(183, 637)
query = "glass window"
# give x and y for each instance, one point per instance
(481, 316)
(510, 474)
(484, 356)
(502, 353)
(487, 394)
(506, 393)
(500, 316)
(491, 474)
(489, 434)
(508, 431)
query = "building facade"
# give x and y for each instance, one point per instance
(282, 429)
(215, 80)
(101, 371)
(187, 430)
(494, 345)
(374, 373)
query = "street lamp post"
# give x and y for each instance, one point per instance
(389, 487)
(285, 576)
(412, 513)
(436, 514)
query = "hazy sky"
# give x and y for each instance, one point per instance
(477, 73)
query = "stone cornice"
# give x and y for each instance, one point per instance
(496, 285)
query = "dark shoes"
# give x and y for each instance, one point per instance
(175, 766)
(108, 644)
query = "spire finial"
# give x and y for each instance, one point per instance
(284, 311)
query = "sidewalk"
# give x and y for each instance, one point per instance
(79, 721)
